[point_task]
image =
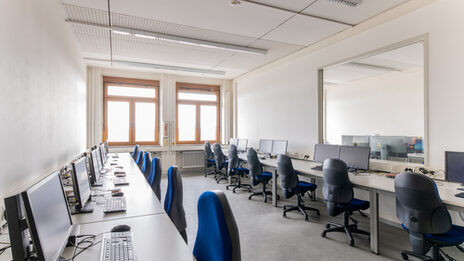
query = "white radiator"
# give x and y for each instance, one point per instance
(193, 159)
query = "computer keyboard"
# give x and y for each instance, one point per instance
(117, 246)
(319, 167)
(120, 181)
(115, 204)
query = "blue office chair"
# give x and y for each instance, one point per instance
(257, 175)
(291, 186)
(209, 160)
(425, 217)
(236, 170)
(134, 153)
(173, 201)
(221, 162)
(146, 164)
(338, 193)
(154, 178)
(139, 159)
(217, 237)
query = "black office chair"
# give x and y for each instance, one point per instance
(221, 162)
(154, 178)
(217, 236)
(338, 193)
(174, 201)
(425, 217)
(236, 170)
(209, 160)
(257, 175)
(139, 159)
(134, 153)
(291, 185)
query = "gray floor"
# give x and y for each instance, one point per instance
(266, 235)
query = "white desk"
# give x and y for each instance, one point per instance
(373, 183)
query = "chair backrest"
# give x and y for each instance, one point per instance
(233, 157)
(146, 166)
(154, 178)
(219, 156)
(134, 153)
(217, 236)
(418, 204)
(288, 178)
(208, 152)
(254, 165)
(173, 201)
(139, 159)
(336, 187)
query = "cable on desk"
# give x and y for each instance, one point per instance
(3, 249)
(90, 239)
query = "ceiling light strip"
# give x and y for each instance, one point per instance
(175, 38)
(158, 66)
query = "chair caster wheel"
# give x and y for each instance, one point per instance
(404, 256)
(327, 226)
(323, 234)
(351, 243)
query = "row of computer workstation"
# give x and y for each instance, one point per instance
(100, 207)
(420, 204)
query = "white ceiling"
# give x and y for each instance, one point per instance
(280, 30)
(400, 59)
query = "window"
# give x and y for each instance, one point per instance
(197, 113)
(130, 111)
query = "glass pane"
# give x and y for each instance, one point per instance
(131, 91)
(118, 121)
(186, 121)
(145, 121)
(197, 96)
(208, 122)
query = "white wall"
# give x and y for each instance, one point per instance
(389, 105)
(280, 101)
(42, 100)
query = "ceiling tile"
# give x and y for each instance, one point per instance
(351, 15)
(304, 30)
(294, 5)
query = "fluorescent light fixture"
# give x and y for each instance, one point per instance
(120, 32)
(159, 66)
(188, 41)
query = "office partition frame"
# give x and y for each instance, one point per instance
(321, 104)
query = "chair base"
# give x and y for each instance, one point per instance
(222, 177)
(239, 185)
(212, 172)
(349, 229)
(300, 207)
(263, 193)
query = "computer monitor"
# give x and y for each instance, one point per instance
(279, 147)
(265, 146)
(326, 151)
(355, 157)
(233, 142)
(454, 166)
(103, 153)
(17, 227)
(99, 158)
(48, 217)
(107, 147)
(80, 178)
(94, 169)
(242, 144)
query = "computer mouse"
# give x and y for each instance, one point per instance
(121, 228)
(117, 194)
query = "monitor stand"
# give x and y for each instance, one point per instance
(88, 208)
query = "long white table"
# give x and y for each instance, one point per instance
(373, 183)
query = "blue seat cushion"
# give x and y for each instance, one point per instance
(303, 187)
(211, 161)
(265, 175)
(240, 170)
(355, 204)
(455, 236)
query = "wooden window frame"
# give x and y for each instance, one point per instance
(192, 87)
(128, 82)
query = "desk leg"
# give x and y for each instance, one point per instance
(313, 194)
(274, 188)
(374, 221)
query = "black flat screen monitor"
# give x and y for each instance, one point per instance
(94, 168)
(454, 166)
(48, 217)
(326, 151)
(279, 147)
(107, 147)
(103, 153)
(81, 183)
(99, 158)
(242, 145)
(265, 146)
(355, 157)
